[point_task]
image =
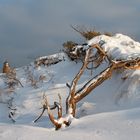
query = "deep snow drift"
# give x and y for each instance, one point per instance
(110, 112)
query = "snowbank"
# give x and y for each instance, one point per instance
(111, 111)
(118, 47)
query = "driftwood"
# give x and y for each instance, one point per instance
(76, 95)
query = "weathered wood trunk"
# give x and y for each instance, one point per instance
(76, 95)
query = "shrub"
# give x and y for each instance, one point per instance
(69, 45)
(73, 50)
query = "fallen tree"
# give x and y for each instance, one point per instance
(76, 95)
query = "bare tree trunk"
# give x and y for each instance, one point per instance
(76, 95)
(70, 102)
(93, 83)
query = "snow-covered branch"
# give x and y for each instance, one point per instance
(76, 95)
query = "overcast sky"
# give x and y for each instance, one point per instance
(32, 28)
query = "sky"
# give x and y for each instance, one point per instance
(33, 28)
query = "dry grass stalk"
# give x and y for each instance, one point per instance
(89, 34)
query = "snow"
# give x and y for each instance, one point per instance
(110, 112)
(119, 46)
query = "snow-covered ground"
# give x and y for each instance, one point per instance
(110, 112)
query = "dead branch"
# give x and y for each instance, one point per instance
(59, 107)
(70, 103)
(35, 80)
(12, 110)
(51, 117)
(93, 83)
(11, 114)
(47, 107)
(87, 33)
(76, 95)
(75, 29)
(68, 85)
(11, 80)
(43, 110)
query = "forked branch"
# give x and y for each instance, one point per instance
(76, 95)
(47, 107)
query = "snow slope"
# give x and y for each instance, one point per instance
(110, 112)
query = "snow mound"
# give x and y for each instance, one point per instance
(85, 109)
(118, 47)
(129, 91)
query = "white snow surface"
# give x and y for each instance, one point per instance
(119, 46)
(110, 112)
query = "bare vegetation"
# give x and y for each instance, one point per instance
(77, 53)
(34, 79)
(73, 52)
(92, 56)
(75, 94)
(89, 34)
(12, 110)
(11, 80)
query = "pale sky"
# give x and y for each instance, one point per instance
(32, 28)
